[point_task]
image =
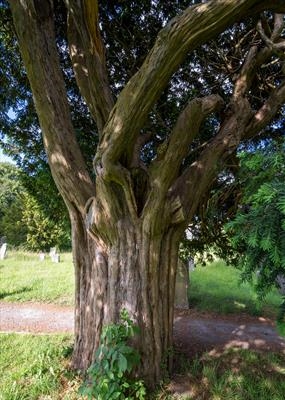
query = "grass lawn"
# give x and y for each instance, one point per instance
(23, 277)
(35, 367)
(235, 374)
(216, 288)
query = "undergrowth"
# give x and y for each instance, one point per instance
(109, 377)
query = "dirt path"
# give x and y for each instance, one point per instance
(194, 332)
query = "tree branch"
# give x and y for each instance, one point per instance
(166, 167)
(266, 113)
(274, 42)
(184, 33)
(88, 58)
(240, 123)
(35, 31)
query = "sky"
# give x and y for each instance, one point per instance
(4, 158)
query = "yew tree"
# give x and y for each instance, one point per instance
(129, 215)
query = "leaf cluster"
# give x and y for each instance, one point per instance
(32, 214)
(109, 377)
(258, 231)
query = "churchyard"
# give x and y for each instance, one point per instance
(39, 367)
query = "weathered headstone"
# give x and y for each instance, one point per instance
(191, 264)
(56, 258)
(3, 250)
(42, 256)
(54, 255)
(280, 283)
(181, 286)
(52, 252)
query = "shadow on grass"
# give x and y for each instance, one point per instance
(232, 374)
(24, 289)
(224, 304)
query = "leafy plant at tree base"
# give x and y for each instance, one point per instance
(258, 230)
(109, 376)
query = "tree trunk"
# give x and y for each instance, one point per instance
(136, 272)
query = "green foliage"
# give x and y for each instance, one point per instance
(43, 231)
(32, 214)
(109, 377)
(258, 230)
(11, 205)
(11, 224)
(9, 185)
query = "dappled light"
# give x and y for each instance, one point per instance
(235, 373)
(207, 333)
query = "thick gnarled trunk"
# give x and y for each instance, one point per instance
(137, 273)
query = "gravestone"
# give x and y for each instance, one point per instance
(54, 255)
(181, 286)
(56, 258)
(3, 250)
(42, 256)
(280, 283)
(191, 264)
(52, 251)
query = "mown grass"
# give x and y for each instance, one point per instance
(216, 288)
(235, 374)
(36, 367)
(23, 277)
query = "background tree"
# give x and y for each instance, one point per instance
(258, 230)
(10, 205)
(31, 214)
(42, 229)
(153, 171)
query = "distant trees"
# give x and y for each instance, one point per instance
(11, 205)
(26, 219)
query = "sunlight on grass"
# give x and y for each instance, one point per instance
(25, 278)
(216, 288)
(36, 367)
(235, 374)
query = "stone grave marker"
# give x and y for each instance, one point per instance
(181, 286)
(54, 255)
(52, 251)
(56, 258)
(3, 251)
(191, 264)
(280, 283)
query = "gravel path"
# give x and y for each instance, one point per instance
(35, 318)
(194, 332)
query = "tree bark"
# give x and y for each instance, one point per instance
(131, 267)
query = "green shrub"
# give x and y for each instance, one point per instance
(109, 377)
